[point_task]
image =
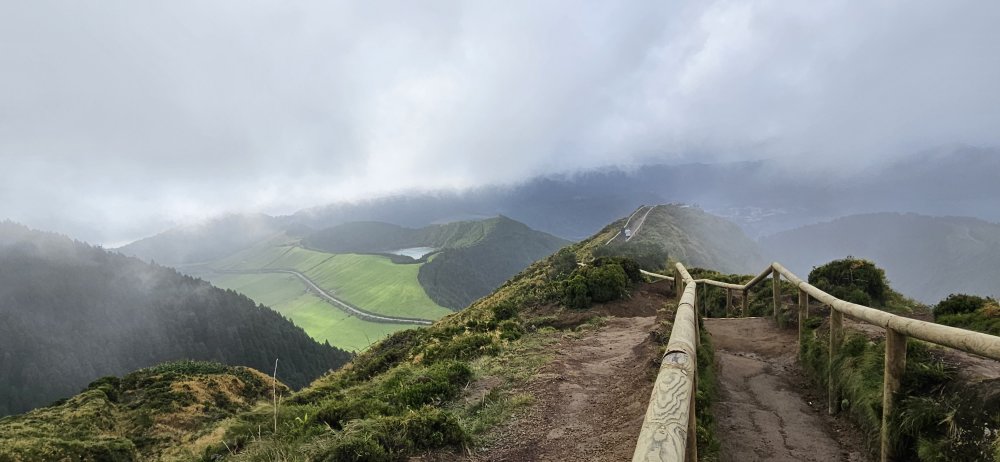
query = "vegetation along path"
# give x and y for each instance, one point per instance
(336, 302)
(761, 414)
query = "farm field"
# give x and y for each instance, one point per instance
(286, 294)
(371, 282)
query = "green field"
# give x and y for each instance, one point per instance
(377, 284)
(286, 294)
(371, 282)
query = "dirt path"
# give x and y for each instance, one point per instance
(761, 414)
(591, 398)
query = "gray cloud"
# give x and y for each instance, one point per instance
(118, 118)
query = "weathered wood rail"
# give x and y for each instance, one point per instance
(668, 430)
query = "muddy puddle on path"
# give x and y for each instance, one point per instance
(764, 411)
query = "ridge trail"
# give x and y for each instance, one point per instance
(761, 413)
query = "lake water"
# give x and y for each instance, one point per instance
(415, 253)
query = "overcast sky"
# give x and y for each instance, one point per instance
(118, 118)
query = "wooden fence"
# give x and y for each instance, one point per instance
(668, 430)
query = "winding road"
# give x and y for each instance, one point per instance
(638, 226)
(336, 302)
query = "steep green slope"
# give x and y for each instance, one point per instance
(474, 256)
(925, 257)
(699, 239)
(70, 313)
(372, 283)
(394, 400)
(377, 237)
(285, 294)
(148, 414)
(476, 265)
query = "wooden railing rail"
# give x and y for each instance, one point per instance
(668, 431)
(897, 330)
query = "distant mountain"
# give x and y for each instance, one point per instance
(70, 313)
(206, 241)
(474, 257)
(698, 239)
(925, 257)
(762, 197)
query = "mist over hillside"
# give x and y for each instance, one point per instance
(925, 257)
(699, 239)
(204, 241)
(763, 197)
(70, 313)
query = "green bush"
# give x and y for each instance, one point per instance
(511, 330)
(854, 280)
(646, 255)
(575, 292)
(504, 310)
(355, 448)
(959, 304)
(392, 438)
(340, 411)
(606, 280)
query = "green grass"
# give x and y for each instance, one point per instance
(286, 294)
(371, 282)
(377, 284)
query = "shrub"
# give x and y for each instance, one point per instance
(646, 255)
(852, 279)
(355, 448)
(341, 411)
(511, 330)
(607, 282)
(959, 304)
(504, 310)
(425, 428)
(607, 279)
(575, 292)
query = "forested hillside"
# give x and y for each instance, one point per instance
(70, 313)
(408, 394)
(927, 258)
(474, 257)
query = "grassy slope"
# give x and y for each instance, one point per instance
(699, 239)
(372, 282)
(402, 396)
(377, 284)
(286, 294)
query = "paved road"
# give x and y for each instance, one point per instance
(638, 226)
(648, 208)
(336, 302)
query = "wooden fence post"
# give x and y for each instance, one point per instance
(729, 302)
(776, 291)
(697, 318)
(803, 314)
(746, 303)
(895, 364)
(704, 299)
(836, 337)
